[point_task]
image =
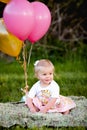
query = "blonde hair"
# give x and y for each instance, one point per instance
(42, 63)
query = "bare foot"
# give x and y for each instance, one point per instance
(66, 112)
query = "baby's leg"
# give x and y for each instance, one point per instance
(66, 112)
(37, 109)
(37, 102)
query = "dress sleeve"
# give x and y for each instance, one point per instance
(32, 92)
(55, 90)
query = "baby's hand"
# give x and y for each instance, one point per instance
(32, 110)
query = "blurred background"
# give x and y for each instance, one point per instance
(64, 44)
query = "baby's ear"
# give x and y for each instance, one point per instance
(36, 75)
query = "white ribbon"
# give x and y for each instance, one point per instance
(36, 62)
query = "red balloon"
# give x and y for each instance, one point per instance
(42, 21)
(18, 16)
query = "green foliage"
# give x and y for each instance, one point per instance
(70, 73)
(59, 51)
(44, 128)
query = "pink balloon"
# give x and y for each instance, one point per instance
(18, 16)
(42, 21)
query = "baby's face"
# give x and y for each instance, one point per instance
(45, 75)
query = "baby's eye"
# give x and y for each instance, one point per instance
(44, 74)
(51, 73)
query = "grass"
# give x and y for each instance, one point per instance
(72, 80)
(44, 128)
(70, 75)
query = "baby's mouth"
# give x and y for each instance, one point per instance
(48, 81)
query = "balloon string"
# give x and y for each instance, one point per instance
(25, 90)
(30, 54)
(25, 68)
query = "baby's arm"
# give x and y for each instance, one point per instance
(49, 105)
(30, 105)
